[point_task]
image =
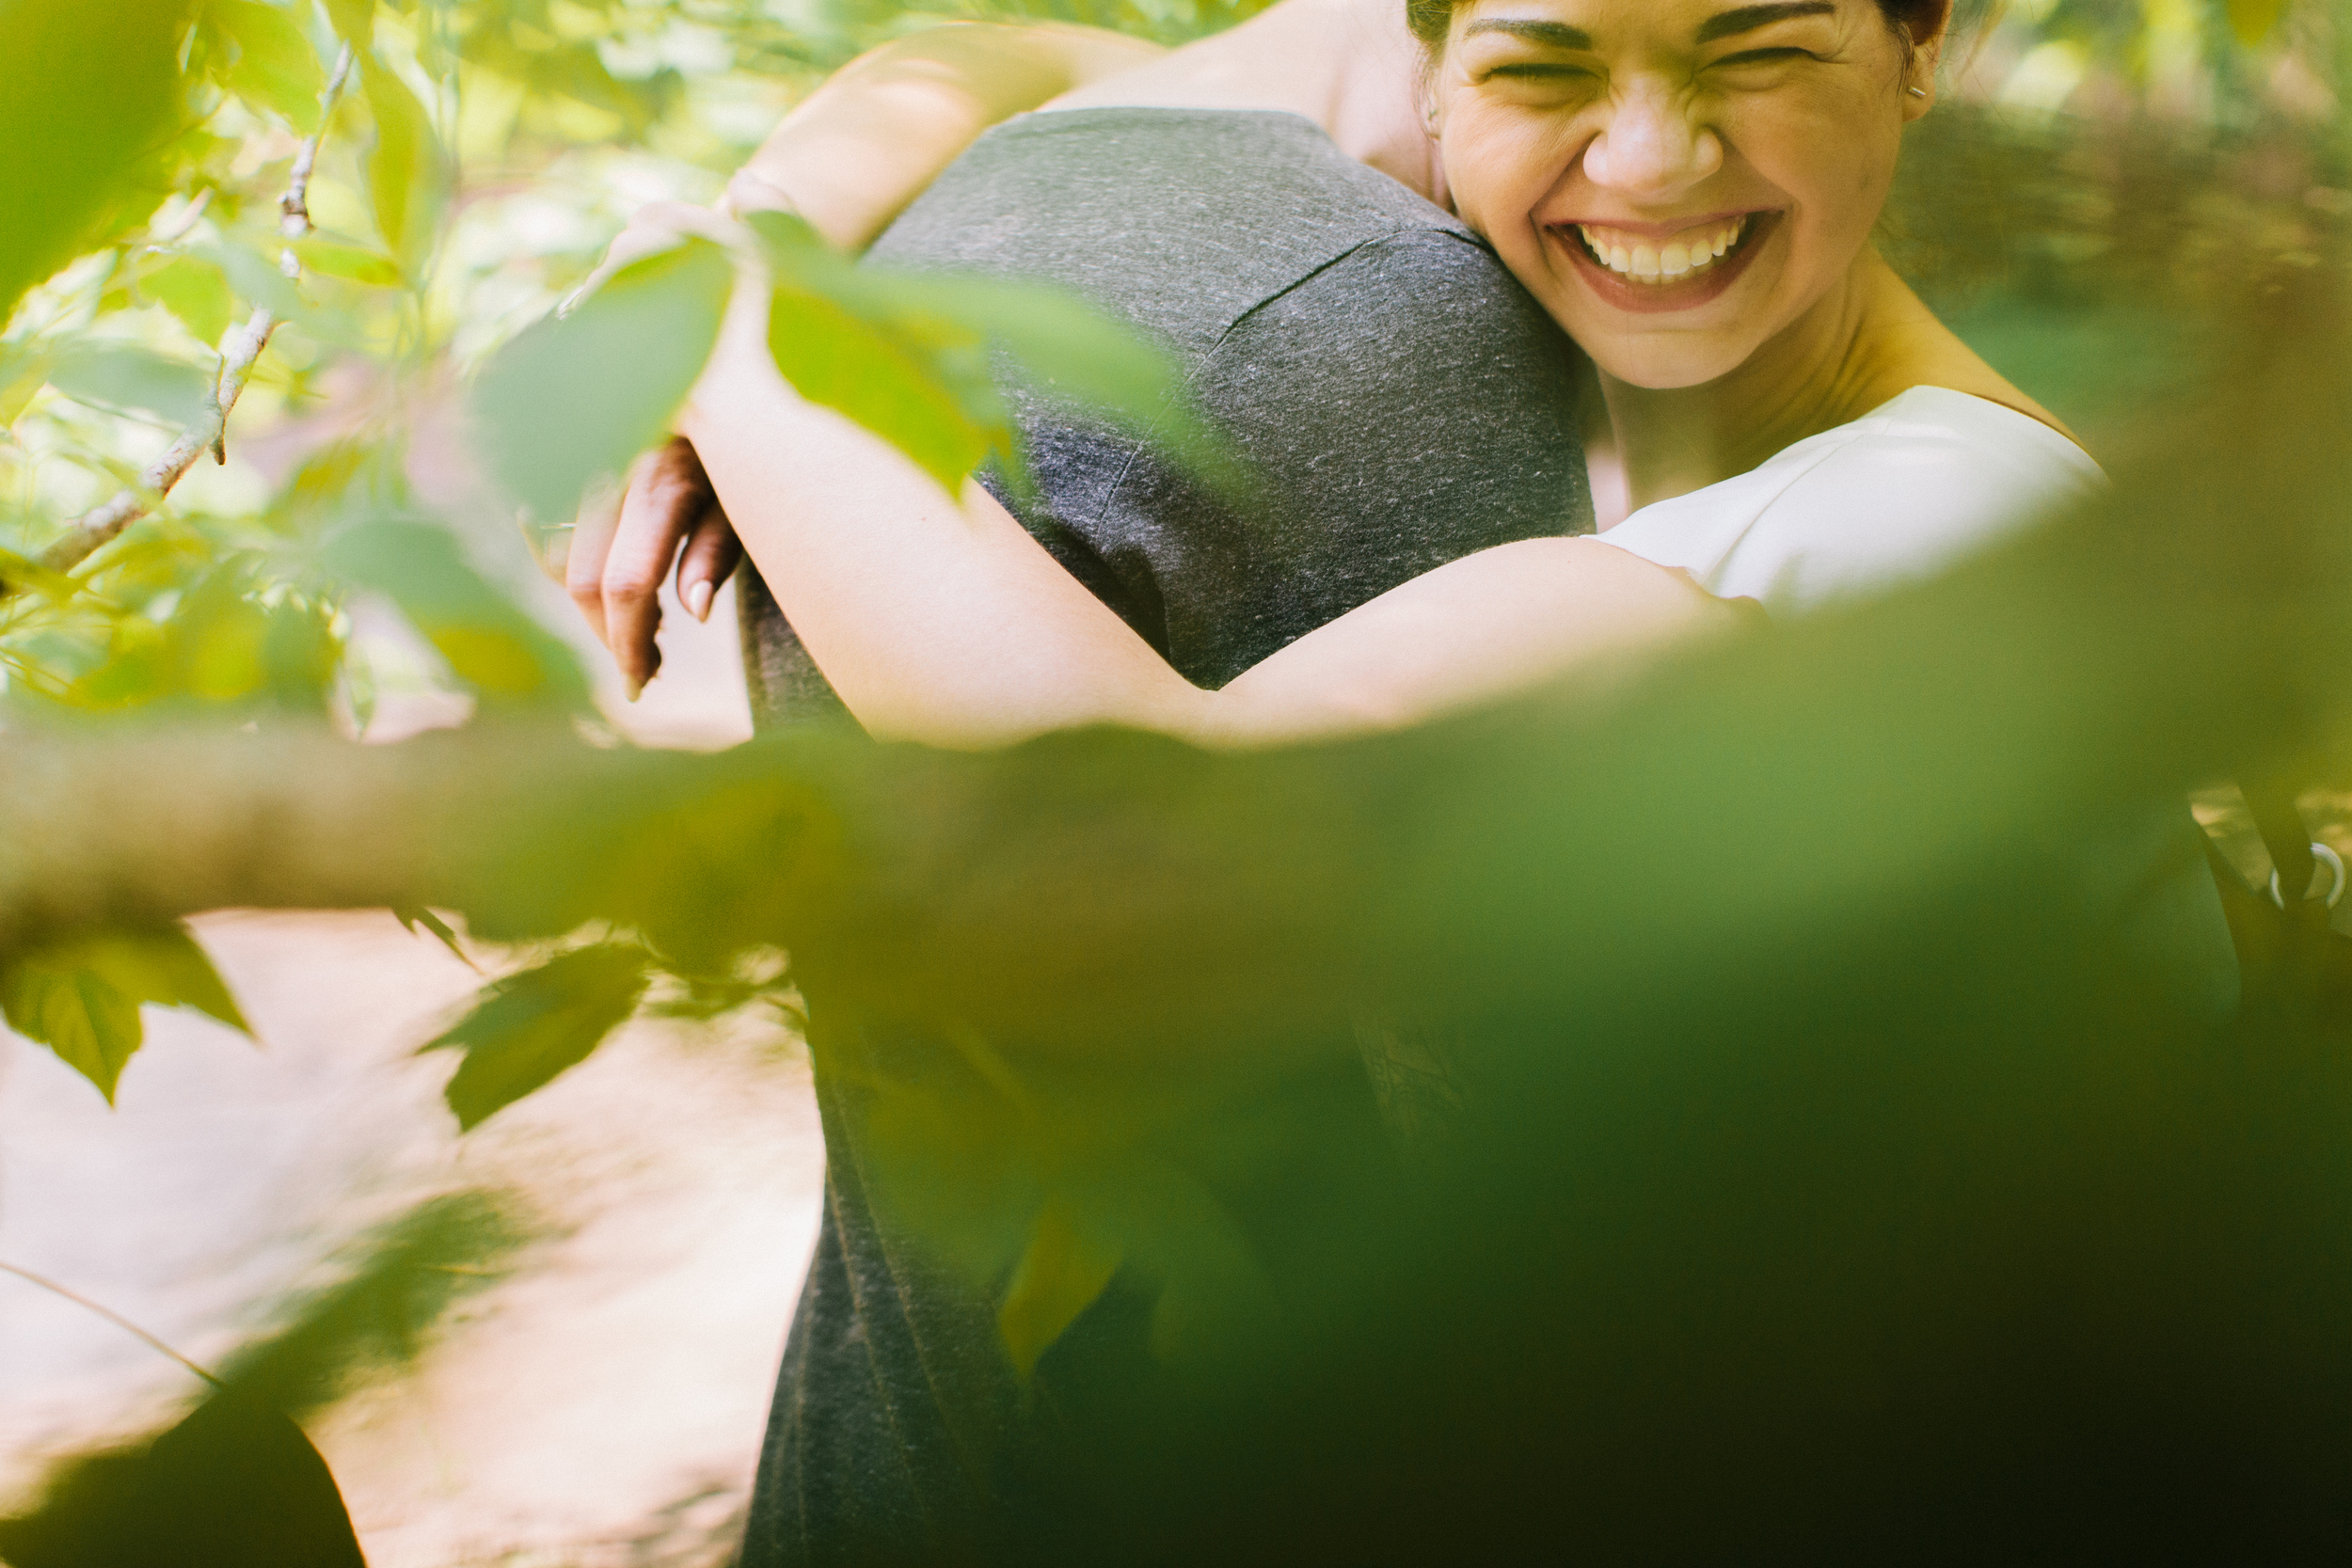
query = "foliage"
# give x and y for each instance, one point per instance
(236, 1481)
(530, 1026)
(81, 996)
(468, 172)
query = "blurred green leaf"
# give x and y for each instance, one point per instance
(126, 376)
(906, 354)
(93, 92)
(301, 653)
(413, 915)
(2253, 21)
(81, 997)
(234, 1484)
(197, 292)
(528, 1027)
(396, 1284)
(17, 572)
(1061, 1272)
(848, 363)
(349, 261)
(404, 171)
(494, 646)
(222, 651)
(575, 397)
(275, 68)
(353, 19)
(23, 372)
(255, 277)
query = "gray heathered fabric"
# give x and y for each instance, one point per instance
(1404, 402)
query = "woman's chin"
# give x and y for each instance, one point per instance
(1654, 365)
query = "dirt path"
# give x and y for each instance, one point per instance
(602, 1404)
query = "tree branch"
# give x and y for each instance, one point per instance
(239, 352)
(295, 206)
(1108, 892)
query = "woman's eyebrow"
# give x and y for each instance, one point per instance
(1746, 19)
(1557, 34)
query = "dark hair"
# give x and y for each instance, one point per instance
(1431, 20)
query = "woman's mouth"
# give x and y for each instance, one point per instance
(1649, 271)
(1658, 262)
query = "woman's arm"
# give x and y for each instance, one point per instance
(940, 619)
(871, 141)
(848, 159)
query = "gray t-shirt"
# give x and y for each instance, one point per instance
(1403, 403)
(1400, 400)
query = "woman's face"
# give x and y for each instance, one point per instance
(1678, 181)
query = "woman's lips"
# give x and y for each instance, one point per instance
(1655, 272)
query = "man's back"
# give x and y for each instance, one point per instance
(1401, 403)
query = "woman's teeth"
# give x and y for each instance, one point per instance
(1646, 260)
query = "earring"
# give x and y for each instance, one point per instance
(1918, 92)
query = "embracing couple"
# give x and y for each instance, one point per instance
(1383, 239)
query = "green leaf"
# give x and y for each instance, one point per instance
(504, 654)
(2253, 19)
(1061, 1272)
(835, 325)
(351, 261)
(413, 915)
(75, 1013)
(275, 68)
(122, 376)
(870, 374)
(406, 176)
(91, 99)
(574, 398)
(196, 290)
(81, 997)
(17, 572)
(353, 19)
(23, 372)
(528, 1027)
(236, 1481)
(255, 277)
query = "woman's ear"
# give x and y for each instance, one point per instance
(1926, 34)
(1920, 83)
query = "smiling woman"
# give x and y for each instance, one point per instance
(1690, 190)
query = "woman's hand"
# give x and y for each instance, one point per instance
(848, 160)
(625, 541)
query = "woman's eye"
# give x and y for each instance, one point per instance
(1762, 57)
(1541, 74)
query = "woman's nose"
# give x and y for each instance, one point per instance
(1652, 147)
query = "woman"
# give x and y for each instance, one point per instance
(1690, 188)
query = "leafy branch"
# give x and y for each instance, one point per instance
(239, 352)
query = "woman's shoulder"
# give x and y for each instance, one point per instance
(1926, 478)
(1975, 449)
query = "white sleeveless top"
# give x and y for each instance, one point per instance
(1914, 485)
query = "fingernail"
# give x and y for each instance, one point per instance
(635, 687)
(698, 600)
